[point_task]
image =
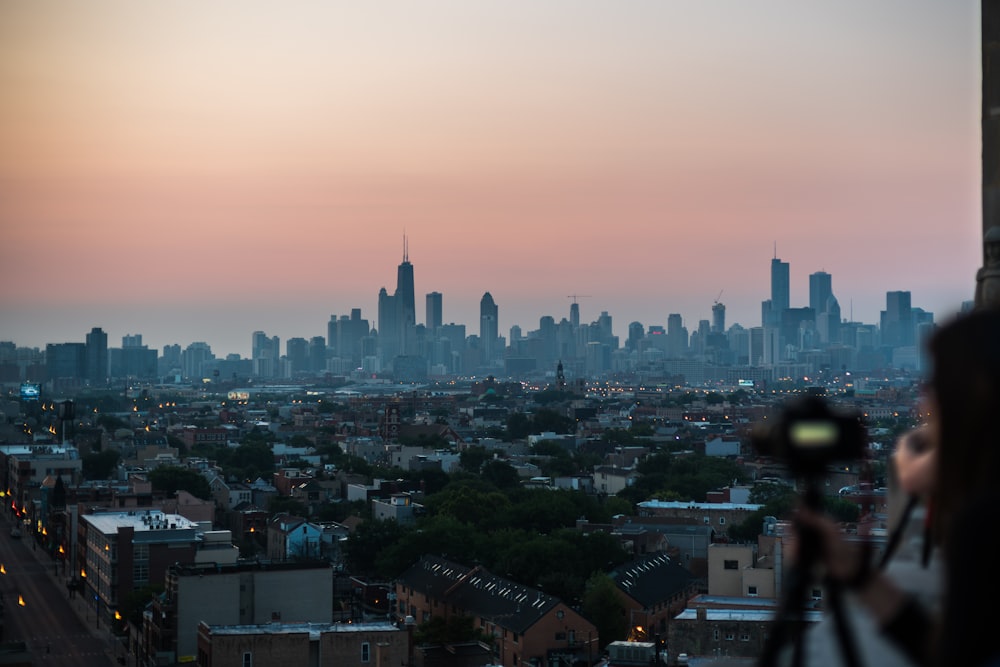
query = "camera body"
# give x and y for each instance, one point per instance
(809, 435)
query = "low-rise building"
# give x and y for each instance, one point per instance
(284, 644)
(235, 595)
(125, 551)
(528, 626)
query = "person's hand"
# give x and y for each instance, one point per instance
(915, 459)
(841, 560)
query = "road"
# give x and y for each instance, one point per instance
(48, 621)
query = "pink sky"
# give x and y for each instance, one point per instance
(195, 171)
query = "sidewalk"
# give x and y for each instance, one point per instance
(77, 602)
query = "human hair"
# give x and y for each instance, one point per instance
(965, 386)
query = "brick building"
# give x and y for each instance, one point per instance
(528, 626)
(306, 644)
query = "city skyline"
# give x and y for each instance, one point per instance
(163, 176)
(389, 324)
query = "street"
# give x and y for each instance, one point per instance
(38, 611)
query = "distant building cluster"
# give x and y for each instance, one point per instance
(791, 341)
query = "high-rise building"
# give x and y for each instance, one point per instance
(677, 336)
(820, 290)
(297, 352)
(97, 357)
(897, 320)
(397, 314)
(404, 290)
(434, 312)
(718, 317)
(265, 353)
(780, 287)
(488, 328)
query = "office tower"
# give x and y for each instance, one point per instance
(66, 361)
(265, 352)
(718, 317)
(297, 352)
(780, 286)
(574, 313)
(397, 314)
(132, 340)
(434, 313)
(404, 289)
(388, 326)
(635, 335)
(897, 320)
(133, 359)
(317, 354)
(820, 290)
(346, 336)
(96, 371)
(194, 358)
(677, 337)
(488, 328)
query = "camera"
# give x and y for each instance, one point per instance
(810, 434)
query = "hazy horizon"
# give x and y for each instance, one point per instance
(195, 172)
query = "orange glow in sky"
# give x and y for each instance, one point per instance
(196, 171)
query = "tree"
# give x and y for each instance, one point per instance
(500, 474)
(100, 465)
(287, 505)
(368, 541)
(603, 607)
(472, 458)
(171, 479)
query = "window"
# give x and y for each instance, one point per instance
(706, 520)
(744, 636)
(366, 651)
(730, 565)
(722, 521)
(715, 635)
(730, 636)
(248, 659)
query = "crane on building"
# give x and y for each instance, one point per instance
(719, 297)
(578, 296)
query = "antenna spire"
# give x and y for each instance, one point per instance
(406, 250)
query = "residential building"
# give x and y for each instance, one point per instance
(231, 595)
(125, 550)
(528, 626)
(306, 644)
(653, 589)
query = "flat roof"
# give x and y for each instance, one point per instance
(142, 521)
(676, 505)
(760, 615)
(296, 628)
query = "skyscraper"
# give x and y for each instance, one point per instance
(97, 357)
(404, 289)
(434, 312)
(897, 320)
(820, 290)
(397, 313)
(718, 317)
(488, 328)
(779, 288)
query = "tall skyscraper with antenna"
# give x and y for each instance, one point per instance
(397, 313)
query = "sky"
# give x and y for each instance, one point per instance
(195, 171)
